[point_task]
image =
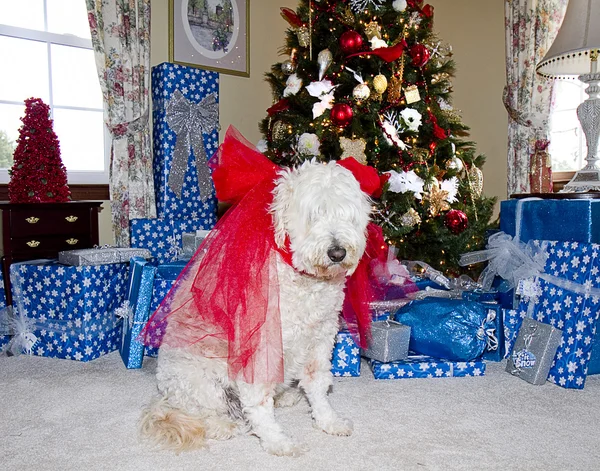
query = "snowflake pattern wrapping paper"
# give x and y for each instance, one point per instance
(4, 339)
(163, 237)
(426, 367)
(72, 308)
(192, 88)
(346, 356)
(573, 313)
(165, 277)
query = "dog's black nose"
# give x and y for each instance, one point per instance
(336, 254)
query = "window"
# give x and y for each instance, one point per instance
(46, 52)
(568, 146)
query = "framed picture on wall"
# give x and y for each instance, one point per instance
(210, 34)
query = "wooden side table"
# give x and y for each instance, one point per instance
(41, 230)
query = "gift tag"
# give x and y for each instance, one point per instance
(412, 94)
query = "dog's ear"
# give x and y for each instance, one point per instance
(279, 207)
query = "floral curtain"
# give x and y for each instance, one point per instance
(531, 26)
(121, 40)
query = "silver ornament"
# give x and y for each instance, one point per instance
(288, 67)
(324, 59)
(455, 164)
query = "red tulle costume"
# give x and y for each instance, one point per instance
(230, 288)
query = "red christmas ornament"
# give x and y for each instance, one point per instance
(281, 105)
(427, 11)
(351, 42)
(388, 54)
(341, 114)
(456, 221)
(419, 54)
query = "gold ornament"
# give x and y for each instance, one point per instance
(420, 153)
(361, 92)
(410, 218)
(412, 94)
(475, 179)
(380, 83)
(353, 148)
(279, 131)
(303, 36)
(437, 199)
(324, 59)
(394, 89)
(347, 17)
(373, 30)
(452, 116)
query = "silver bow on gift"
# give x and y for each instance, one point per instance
(508, 258)
(189, 121)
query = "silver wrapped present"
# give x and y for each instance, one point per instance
(389, 341)
(101, 256)
(191, 241)
(534, 351)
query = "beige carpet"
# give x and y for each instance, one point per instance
(64, 415)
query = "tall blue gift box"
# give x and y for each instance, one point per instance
(166, 274)
(163, 237)
(4, 339)
(185, 121)
(141, 280)
(70, 309)
(421, 366)
(575, 313)
(345, 360)
(575, 220)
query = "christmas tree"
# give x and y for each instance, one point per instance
(371, 80)
(38, 174)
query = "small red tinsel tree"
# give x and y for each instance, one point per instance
(38, 174)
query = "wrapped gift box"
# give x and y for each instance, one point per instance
(71, 310)
(101, 255)
(594, 364)
(346, 356)
(165, 276)
(191, 241)
(185, 121)
(512, 319)
(574, 313)
(389, 341)
(163, 237)
(534, 351)
(579, 219)
(4, 339)
(136, 311)
(426, 367)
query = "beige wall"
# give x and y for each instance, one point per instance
(474, 28)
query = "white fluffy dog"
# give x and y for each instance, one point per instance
(324, 213)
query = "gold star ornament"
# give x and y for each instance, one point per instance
(354, 148)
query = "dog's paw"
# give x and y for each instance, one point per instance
(339, 426)
(284, 447)
(288, 397)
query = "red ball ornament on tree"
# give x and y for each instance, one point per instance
(351, 42)
(456, 221)
(341, 114)
(419, 54)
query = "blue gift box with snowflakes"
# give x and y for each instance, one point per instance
(70, 310)
(345, 360)
(185, 120)
(4, 339)
(136, 311)
(426, 367)
(164, 278)
(569, 300)
(163, 236)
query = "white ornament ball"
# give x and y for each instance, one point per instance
(361, 92)
(455, 164)
(399, 5)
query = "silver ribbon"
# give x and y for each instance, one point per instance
(21, 328)
(188, 121)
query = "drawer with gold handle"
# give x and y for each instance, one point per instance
(32, 220)
(71, 218)
(33, 243)
(72, 241)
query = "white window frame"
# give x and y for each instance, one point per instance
(74, 177)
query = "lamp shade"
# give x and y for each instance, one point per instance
(578, 35)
